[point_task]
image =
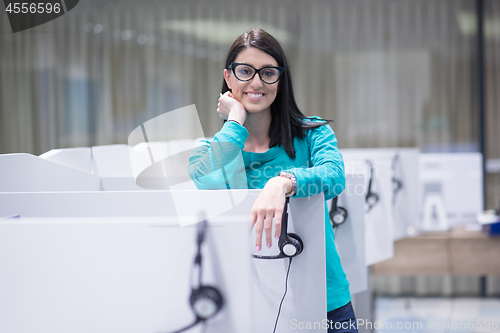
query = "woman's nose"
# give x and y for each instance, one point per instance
(256, 82)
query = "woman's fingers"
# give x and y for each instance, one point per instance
(226, 98)
(268, 228)
(253, 219)
(263, 221)
(277, 223)
(222, 110)
(221, 114)
(259, 228)
(269, 204)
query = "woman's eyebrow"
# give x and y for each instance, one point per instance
(268, 65)
(264, 66)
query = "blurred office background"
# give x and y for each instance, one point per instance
(392, 73)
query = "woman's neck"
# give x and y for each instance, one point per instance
(257, 125)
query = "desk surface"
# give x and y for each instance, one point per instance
(458, 252)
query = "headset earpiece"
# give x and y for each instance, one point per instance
(294, 246)
(397, 184)
(371, 198)
(206, 301)
(338, 216)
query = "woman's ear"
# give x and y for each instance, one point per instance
(226, 77)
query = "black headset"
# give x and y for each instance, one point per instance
(290, 244)
(397, 184)
(206, 301)
(338, 215)
(371, 198)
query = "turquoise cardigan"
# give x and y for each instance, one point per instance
(318, 166)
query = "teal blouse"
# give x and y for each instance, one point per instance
(318, 166)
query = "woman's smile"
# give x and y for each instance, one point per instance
(255, 96)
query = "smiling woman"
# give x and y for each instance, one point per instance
(266, 126)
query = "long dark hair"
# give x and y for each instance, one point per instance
(287, 121)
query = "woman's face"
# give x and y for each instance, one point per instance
(254, 95)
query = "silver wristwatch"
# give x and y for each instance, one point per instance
(290, 176)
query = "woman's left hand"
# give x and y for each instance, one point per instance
(269, 204)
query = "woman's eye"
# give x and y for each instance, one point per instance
(268, 73)
(245, 71)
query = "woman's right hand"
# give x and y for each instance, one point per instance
(231, 109)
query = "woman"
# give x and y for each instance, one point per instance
(265, 125)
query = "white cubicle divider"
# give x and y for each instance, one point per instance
(146, 268)
(159, 138)
(162, 165)
(30, 173)
(305, 299)
(121, 203)
(379, 229)
(27, 173)
(125, 275)
(87, 204)
(159, 150)
(112, 164)
(350, 235)
(78, 158)
(177, 146)
(451, 189)
(404, 182)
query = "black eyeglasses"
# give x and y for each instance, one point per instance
(245, 72)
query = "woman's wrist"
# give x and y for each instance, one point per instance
(234, 121)
(284, 186)
(293, 180)
(238, 115)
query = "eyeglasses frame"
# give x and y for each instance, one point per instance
(280, 69)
